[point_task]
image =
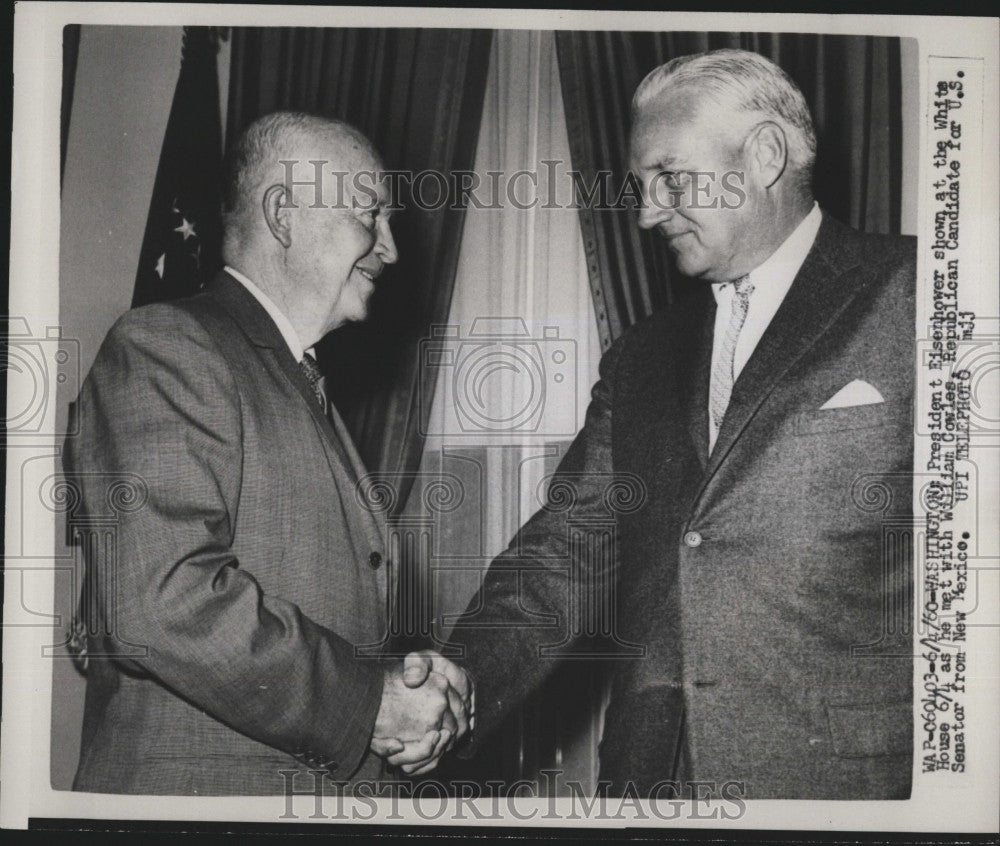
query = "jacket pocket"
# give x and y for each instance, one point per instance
(848, 418)
(865, 731)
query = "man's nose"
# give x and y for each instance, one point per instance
(385, 246)
(652, 215)
(652, 211)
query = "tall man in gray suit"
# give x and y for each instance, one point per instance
(248, 576)
(769, 418)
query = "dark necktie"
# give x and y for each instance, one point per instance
(314, 375)
(317, 381)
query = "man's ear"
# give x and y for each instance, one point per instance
(276, 213)
(768, 151)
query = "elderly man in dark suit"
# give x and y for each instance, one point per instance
(760, 416)
(250, 576)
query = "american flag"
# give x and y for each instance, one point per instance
(181, 246)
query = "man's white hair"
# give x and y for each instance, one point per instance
(743, 83)
(258, 151)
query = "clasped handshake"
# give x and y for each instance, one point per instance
(428, 703)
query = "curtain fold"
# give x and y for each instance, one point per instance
(418, 94)
(520, 265)
(851, 83)
(520, 270)
(70, 53)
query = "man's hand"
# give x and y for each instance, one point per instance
(421, 718)
(418, 666)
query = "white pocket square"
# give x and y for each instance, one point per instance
(854, 393)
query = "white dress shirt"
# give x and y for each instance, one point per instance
(277, 315)
(771, 282)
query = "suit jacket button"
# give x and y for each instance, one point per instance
(375, 560)
(692, 539)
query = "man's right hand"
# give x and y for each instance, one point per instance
(427, 704)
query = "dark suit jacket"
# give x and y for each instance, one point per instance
(761, 581)
(246, 574)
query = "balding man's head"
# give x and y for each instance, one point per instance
(256, 162)
(306, 217)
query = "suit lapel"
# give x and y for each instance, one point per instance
(695, 359)
(344, 460)
(820, 292)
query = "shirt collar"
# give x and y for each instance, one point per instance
(779, 270)
(276, 314)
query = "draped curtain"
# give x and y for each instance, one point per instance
(853, 88)
(524, 264)
(521, 264)
(71, 52)
(418, 94)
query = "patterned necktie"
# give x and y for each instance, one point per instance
(310, 368)
(722, 372)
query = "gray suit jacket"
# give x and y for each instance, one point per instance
(238, 589)
(767, 585)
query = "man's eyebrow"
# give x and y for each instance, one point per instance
(660, 161)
